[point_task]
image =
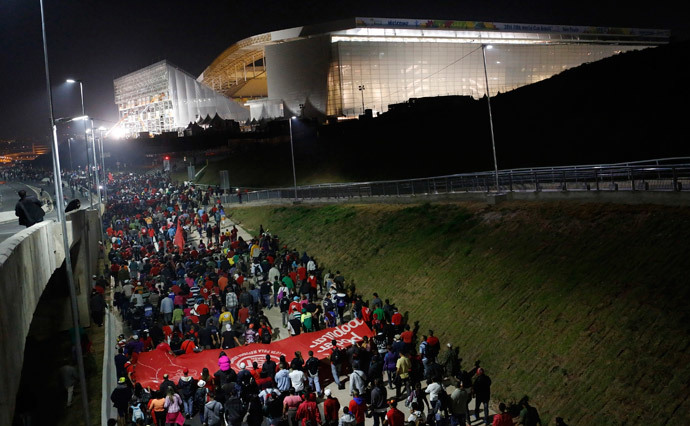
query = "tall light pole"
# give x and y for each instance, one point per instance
(95, 175)
(361, 90)
(105, 178)
(61, 218)
(292, 151)
(69, 149)
(491, 121)
(86, 138)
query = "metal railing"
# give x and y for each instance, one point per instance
(668, 174)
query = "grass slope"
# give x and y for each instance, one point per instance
(583, 307)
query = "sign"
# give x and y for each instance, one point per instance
(151, 366)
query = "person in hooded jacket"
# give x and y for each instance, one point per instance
(213, 411)
(358, 408)
(186, 387)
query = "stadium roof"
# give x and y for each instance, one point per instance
(249, 50)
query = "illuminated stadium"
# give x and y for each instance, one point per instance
(163, 98)
(341, 68)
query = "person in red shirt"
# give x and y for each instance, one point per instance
(394, 417)
(295, 306)
(331, 408)
(302, 272)
(503, 418)
(396, 319)
(358, 408)
(308, 411)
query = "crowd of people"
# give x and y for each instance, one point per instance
(185, 282)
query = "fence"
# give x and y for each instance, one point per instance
(671, 174)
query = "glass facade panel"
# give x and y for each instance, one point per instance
(393, 72)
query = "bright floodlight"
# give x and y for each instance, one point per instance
(488, 46)
(71, 80)
(117, 133)
(293, 117)
(80, 118)
(102, 128)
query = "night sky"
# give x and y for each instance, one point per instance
(97, 41)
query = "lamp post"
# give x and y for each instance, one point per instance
(69, 149)
(61, 218)
(86, 138)
(491, 121)
(292, 151)
(361, 90)
(105, 178)
(95, 175)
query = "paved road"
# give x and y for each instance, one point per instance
(9, 223)
(114, 327)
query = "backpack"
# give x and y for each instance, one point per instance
(336, 356)
(308, 326)
(341, 302)
(312, 365)
(137, 413)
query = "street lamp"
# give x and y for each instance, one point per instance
(63, 222)
(104, 186)
(292, 151)
(86, 138)
(361, 90)
(491, 121)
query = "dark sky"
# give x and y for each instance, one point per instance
(97, 41)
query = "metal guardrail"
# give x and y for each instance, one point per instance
(669, 174)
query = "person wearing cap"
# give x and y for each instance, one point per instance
(295, 308)
(394, 417)
(200, 399)
(331, 408)
(120, 397)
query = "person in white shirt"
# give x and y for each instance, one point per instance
(298, 378)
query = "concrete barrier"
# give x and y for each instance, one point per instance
(27, 262)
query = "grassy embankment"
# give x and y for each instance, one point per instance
(583, 307)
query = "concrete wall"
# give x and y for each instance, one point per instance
(27, 261)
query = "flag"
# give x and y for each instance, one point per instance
(179, 237)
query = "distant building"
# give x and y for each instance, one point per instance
(163, 98)
(341, 68)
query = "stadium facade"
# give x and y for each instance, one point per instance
(163, 98)
(340, 68)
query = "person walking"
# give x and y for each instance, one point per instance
(482, 394)
(120, 398)
(173, 405)
(331, 407)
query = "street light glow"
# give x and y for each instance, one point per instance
(71, 80)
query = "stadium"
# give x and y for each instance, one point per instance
(340, 69)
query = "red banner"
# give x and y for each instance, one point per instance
(152, 365)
